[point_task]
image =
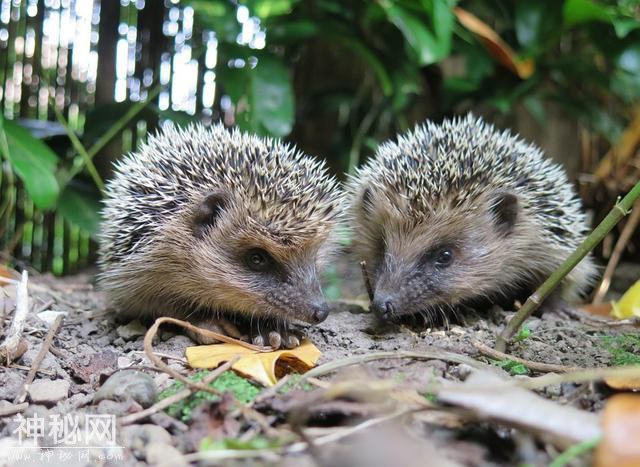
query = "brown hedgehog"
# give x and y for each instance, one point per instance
(462, 214)
(222, 228)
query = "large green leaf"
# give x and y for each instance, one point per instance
(266, 8)
(272, 96)
(537, 23)
(428, 46)
(218, 16)
(263, 95)
(81, 206)
(584, 11)
(34, 162)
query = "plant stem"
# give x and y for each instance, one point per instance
(575, 451)
(91, 168)
(117, 127)
(621, 209)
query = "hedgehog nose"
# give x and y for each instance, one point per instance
(320, 312)
(383, 307)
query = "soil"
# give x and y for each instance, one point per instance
(90, 346)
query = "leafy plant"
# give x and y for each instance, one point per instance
(512, 367)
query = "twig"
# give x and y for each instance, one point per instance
(38, 360)
(600, 321)
(91, 168)
(367, 281)
(148, 350)
(13, 409)
(435, 354)
(620, 210)
(9, 347)
(177, 397)
(26, 368)
(621, 244)
(536, 366)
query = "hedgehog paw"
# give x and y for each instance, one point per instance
(221, 326)
(286, 338)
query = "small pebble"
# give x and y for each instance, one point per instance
(48, 392)
(132, 330)
(165, 454)
(128, 384)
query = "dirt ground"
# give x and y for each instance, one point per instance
(90, 346)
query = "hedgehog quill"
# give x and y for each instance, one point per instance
(222, 228)
(463, 215)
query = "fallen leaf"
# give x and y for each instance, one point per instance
(494, 44)
(629, 305)
(8, 273)
(488, 396)
(623, 384)
(600, 309)
(621, 431)
(263, 367)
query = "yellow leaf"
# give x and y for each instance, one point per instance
(263, 367)
(629, 305)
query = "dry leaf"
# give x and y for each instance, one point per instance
(494, 44)
(487, 395)
(8, 273)
(621, 432)
(263, 367)
(629, 305)
(623, 384)
(600, 309)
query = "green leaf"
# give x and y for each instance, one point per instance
(34, 162)
(263, 95)
(217, 15)
(429, 47)
(584, 11)
(267, 8)
(271, 96)
(537, 23)
(290, 30)
(81, 206)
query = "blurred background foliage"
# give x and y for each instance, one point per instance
(84, 81)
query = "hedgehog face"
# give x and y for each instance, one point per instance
(246, 266)
(447, 255)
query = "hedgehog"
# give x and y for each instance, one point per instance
(460, 215)
(222, 228)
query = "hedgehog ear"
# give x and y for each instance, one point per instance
(504, 207)
(208, 212)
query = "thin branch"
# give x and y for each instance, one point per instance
(46, 344)
(536, 366)
(13, 409)
(367, 281)
(10, 346)
(621, 244)
(620, 210)
(91, 168)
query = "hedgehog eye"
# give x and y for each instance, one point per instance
(258, 260)
(444, 257)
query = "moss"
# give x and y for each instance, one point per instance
(242, 389)
(624, 349)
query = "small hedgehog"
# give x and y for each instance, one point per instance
(462, 215)
(215, 225)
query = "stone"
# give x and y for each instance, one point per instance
(48, 392)
(128, 384)
(164, 454)
(132, 330)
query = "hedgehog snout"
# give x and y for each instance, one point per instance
(384, 306)
(319, 312)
